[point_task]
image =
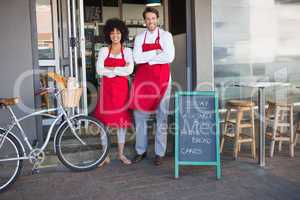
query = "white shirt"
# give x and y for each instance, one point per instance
(116, 71)
(150, 57)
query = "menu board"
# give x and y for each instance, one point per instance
(197, 129)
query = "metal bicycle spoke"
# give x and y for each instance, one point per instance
(10, 162)
(83, 156)
(76, 133)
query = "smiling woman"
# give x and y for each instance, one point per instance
(114, 65)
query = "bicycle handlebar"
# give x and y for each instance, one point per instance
(48, 90)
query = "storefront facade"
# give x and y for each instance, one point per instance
(217, 43)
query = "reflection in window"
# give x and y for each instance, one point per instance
(44, 29)
(47, 101)
(64, 28)
(257, 40)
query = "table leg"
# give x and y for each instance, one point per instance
(262, 126)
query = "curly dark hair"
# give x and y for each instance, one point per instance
(115, 23)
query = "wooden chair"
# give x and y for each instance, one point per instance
(239, 136)
(282, 129)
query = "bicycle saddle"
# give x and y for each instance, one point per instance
(9, 101)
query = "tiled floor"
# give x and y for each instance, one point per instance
(242, 179)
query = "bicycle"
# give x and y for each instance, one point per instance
(81, 142)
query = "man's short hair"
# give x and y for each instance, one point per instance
(150, 10)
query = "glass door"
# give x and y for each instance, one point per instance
(46, 11)
(48, 49)
(63, 32)
(61, 44)
(74, 57)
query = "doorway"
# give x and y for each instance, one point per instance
(61, 44)
(73, 31)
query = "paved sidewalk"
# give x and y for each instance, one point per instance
(242, 179)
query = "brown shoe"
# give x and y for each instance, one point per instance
(139, 158)
(158, 160)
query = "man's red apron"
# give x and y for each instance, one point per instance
(112, 105)
(150, 82)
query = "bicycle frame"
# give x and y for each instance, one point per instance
(38, 113)
(44, 112)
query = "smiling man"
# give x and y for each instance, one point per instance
(151, 88)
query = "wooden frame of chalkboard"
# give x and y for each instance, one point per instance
(203, 140)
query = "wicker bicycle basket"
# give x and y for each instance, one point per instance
(71, 97)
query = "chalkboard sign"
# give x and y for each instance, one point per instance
(197, 130)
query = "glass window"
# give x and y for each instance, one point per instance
(47, 101)
(44, 29)
(257, 40)
(64, 28)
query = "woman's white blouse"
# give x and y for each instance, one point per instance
(116, 71)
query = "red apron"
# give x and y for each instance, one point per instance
(112, 105)
(150, 82)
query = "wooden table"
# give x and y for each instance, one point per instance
(261, 110)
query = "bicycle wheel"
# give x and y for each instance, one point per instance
(87, 147)
(9, 170)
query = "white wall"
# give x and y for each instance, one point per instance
(179, 65)
(16, 57)
(110, 12)
(130, 11)
(135, 11)
(203, 44)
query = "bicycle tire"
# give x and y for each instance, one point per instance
(19, 163)
(62, 154)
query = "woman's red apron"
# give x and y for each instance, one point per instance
(112, 105)
(150, 82)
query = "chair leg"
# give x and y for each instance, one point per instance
(222, 144)
(272, 148)
(297, 132)
(292, 153)
(235, 152)
(253, 147)
(280, 146)
(296, 139)
(281, 129)
(225, 129)
(237, 134)
(292, 146)
(274, 132)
